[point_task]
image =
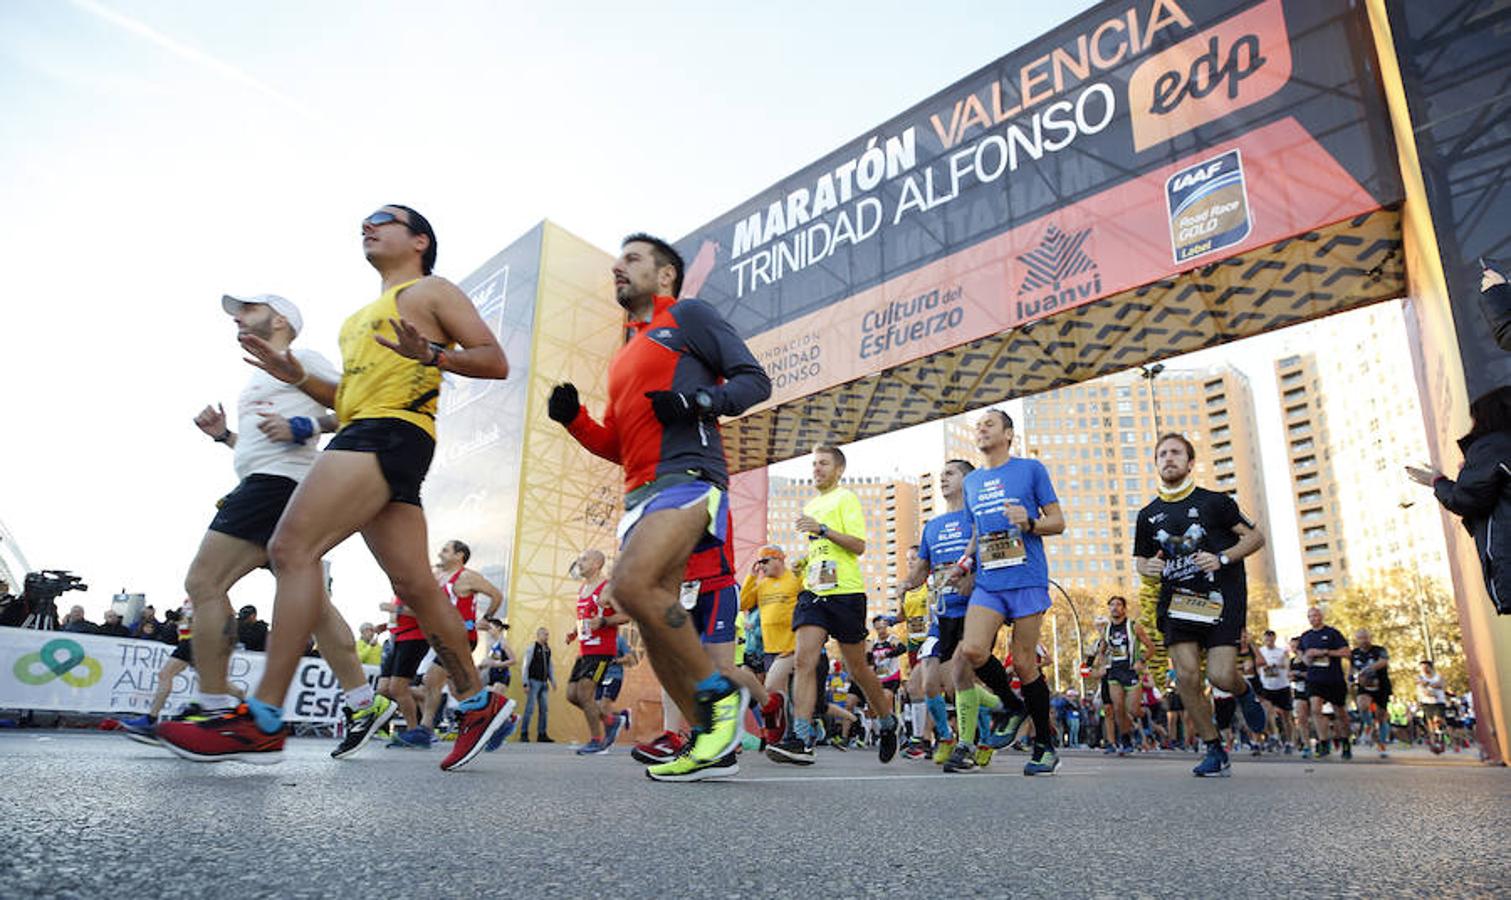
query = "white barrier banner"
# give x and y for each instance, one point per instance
(65, 671)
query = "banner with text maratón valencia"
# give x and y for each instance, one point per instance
(1140, 139)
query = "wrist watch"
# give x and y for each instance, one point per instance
(704, 401)
(1223, 559)
(823, 531)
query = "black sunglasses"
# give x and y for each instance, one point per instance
(383, 217)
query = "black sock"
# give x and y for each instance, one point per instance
(1036, 697)
(1225, 714)
(994, 676)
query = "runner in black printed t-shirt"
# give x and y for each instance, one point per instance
(1194, 540)
(1324, 648)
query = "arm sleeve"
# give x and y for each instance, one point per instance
(318, 365)
(1229, 515)
(1044, 489)
(1478, 487)
(1143, 538)
(714, 341)
(923, 547)
(748, 595)
(852, 519)
(600, 440)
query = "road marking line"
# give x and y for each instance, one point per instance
(936, 775)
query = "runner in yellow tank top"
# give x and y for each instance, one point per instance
(377, 383)
(368, 480)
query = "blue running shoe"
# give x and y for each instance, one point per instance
(1253, 713)
(592, 748)
(139, 728)
(412, 739)
(611, 731)
(1214, 764)
(1002, 729)
(501, 735)
(1043, 762)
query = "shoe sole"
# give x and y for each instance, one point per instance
(381, 720)
(1034, 774)
(648, 759)
(494, 724)
(778, 755)
(1225, 773)
(254, 757)
(956, 770)
(706, 774)
(148, 739)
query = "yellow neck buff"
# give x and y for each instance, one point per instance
(1178, 493)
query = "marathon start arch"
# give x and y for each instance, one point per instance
(1153, 177)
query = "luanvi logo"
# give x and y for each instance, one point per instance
(1210, 75)
(1061, 273)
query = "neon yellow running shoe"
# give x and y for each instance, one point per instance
(984, 756)
(942, 752)
(688, 768)
(719, 729)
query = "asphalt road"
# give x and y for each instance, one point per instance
(90, 815)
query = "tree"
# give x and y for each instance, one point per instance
(1263, 597)
(1403, 611)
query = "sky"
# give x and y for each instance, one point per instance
(154, 155)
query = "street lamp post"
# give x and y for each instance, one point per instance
(1080, 651)
(1421, 593)
(1149, 373)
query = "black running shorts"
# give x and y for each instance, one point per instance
(404, 451)
(843, 616)
(1335, 693)
(1224, 633)
(252, 510)
(183, 651)
(591, 668)
(403, 661)
(951, 630)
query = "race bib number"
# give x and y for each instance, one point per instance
(1119, 654)
(688, 595)
(1197, 609)
(918, 627)
(584, 633)
(823, 575)
(1002, 549)
(1323, 660)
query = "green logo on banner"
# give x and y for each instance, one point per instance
(58, 659)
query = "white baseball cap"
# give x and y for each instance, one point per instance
(280, 305)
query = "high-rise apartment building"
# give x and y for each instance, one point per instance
(1097, 440)
(1353, 420)
(1313, 485)
(891, 508)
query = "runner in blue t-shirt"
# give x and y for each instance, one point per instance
(946, 538)
(1013, 506)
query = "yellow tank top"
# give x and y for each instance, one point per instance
(377, 383)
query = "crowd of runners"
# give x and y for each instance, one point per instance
(953, 685)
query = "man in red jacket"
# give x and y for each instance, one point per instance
(682, 367)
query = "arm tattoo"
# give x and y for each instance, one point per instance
(676, 616)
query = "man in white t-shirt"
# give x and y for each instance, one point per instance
(1275, 683)
(1432, 699)
(278, 439)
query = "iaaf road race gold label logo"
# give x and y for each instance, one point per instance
(1209, 206)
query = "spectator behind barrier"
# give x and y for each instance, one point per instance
(1481, 495)
(1495, 302)
(251, 632)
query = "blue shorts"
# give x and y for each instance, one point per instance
(1013, 603)
(714, 616)
(683, 496)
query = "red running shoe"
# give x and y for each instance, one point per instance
(774, 714)
(474, 730)
(662, 749)
(231, 735)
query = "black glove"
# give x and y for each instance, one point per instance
(564, 404)
(672, 407)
